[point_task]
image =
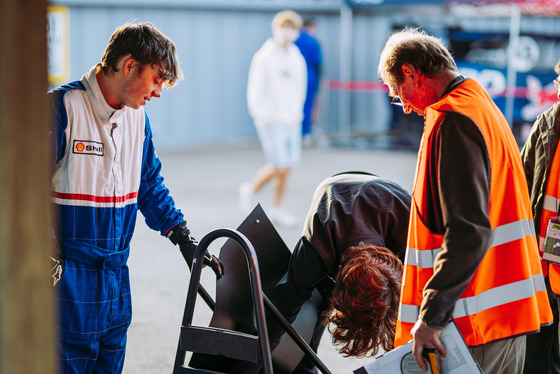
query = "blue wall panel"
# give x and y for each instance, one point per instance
(215, 47)
(217, 38)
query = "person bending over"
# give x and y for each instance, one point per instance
(354, 233)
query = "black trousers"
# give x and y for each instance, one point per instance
(306, 365)
(321, 297)
(543, 349)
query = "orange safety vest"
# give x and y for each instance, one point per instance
(550, 209)
(507, 294)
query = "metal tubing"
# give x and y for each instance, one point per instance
(256, 289)
(295, 336)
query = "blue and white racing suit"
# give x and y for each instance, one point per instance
(105, 169)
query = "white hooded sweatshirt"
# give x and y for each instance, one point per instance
(277, 84)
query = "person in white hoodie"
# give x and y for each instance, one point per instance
(276, 93)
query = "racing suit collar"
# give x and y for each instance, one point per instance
(100, 106)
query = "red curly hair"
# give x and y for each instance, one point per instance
(365, 300)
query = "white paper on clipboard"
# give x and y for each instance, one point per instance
(459, 359)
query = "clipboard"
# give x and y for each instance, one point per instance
(459, 359)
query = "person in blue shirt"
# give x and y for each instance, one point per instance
(310, 48)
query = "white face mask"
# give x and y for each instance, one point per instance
(285, 35)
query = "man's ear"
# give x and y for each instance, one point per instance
(128, 65)
(409, 70)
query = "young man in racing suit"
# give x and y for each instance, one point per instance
(105, 169)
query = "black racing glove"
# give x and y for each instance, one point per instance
(181, 235)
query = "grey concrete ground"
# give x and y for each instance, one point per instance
(204, 184)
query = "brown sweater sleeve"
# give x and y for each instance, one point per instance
(460, 191)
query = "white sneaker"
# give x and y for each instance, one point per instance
(247, 199)
(282, 218)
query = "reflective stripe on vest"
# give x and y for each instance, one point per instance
(489, 299)
(500, 235)
(550, 203)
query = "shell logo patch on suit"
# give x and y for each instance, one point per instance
(88, 147)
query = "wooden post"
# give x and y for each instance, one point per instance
(27, 338)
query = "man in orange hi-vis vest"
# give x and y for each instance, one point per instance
(541, 159)
(472, 254)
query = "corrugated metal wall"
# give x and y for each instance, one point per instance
(215, 44)
(217, 38)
